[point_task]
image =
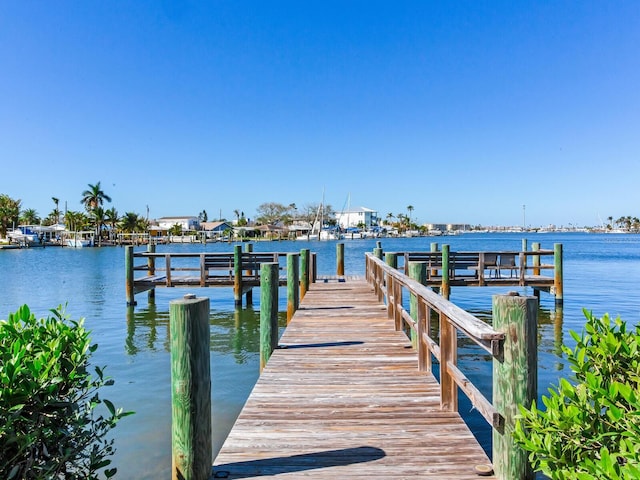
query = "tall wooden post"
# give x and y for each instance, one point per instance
(248, 248)
(535, 247)
(293, 284)
(524, 244)
(446, 287)
(237, 275)
(190, 388)
(340, 259)
(391, 259)
(128, 268)
(448, 355)
(434, 249)
(378, 244)
(305, 255)
(313, 267)
(268, 311)
(515, 378)
(557, 270)
(418, 272)
(151, 270)
(377, 252)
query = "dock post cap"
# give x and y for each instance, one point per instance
(483, 470)
(513, 294)
(190, 296)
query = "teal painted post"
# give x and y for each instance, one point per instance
(305, 255)
(391, 259)
(237, 275)
(417, 272)
(293, 284)
(557, 277)
(268, 311)
(340, 259)
(128, 268)
(524, 244)
(515, 378)
(190, 388)
(446, 287)
(377, 252)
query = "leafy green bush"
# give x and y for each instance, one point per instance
(49, 425)
(590, 427)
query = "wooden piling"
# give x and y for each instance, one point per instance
(557, 278)
(268, 311)
(293, 284)
(377, 252)
(237, 275)
(248, 248)
(151, 270)
(446, 287)
(190, 388)
(418, 272)
(313, 268)
(305, 255)
(434, 249)
(391, 259)
(515, 378)
(128, 268)
(535, 247)
(340, 259)
(448, 356)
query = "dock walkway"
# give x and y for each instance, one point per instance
(343, 398)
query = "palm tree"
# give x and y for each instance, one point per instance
(94, 197)
(130, 222)
(409, 209)
(389, 218)
(56, 210)
(75, 221)
(99, 218)
(236, 212)
(29, 217)
(111, 219)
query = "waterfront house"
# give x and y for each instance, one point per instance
(187, 223)
(215, 229)
(355, 217)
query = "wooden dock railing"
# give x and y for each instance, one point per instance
(511, 342)
(540, 269)
(237, 269)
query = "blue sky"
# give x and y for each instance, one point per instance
(465, 110)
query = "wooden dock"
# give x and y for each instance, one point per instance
(343, 398)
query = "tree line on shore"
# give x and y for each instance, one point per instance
(98, 218)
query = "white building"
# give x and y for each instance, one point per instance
(357, 216)
(187, 223)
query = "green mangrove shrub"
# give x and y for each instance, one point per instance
(590, 427)
(51, 425)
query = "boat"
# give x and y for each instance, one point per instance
(23, 235)
(321, 231)
(330, 233)
(79, 239)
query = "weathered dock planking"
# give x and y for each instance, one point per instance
(344, 398)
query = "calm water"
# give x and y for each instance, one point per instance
(602, 274)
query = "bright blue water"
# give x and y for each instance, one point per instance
(601, 273)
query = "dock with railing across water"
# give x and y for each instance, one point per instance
(348, 391)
